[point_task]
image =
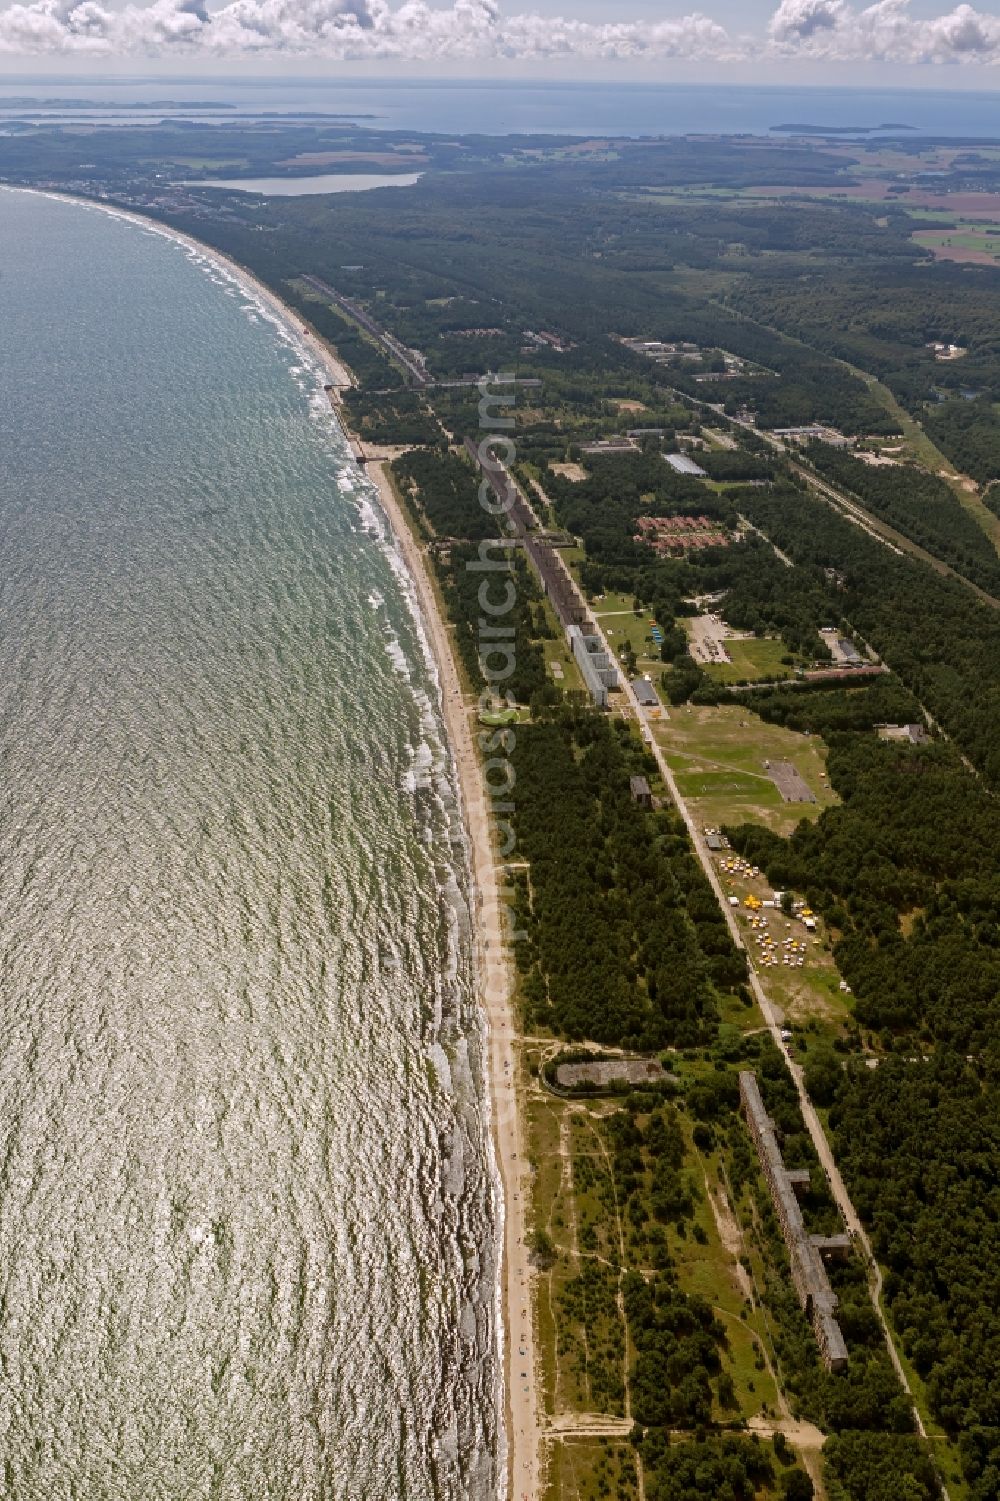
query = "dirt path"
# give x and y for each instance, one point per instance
(589, 1425)
(729, 1233)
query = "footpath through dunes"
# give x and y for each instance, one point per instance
(248, 1200)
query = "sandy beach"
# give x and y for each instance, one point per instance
(494, 980)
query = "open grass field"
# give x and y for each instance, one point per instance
(570, 471)
(612, 604)
(752, 661)
(615, 615)
(551, 1212)
(573, 557)
(717, 755)
(710, 1267)
(557, 654)
(591, 1469)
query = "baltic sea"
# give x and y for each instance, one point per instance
(247, 1204)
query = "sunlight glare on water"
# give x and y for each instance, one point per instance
(247, 1244)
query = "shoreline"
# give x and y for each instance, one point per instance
(492, 972)
(490, 964)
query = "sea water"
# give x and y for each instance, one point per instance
(247, 1209)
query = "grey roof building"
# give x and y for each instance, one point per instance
(641, 792)
(681, 464)
(645, 693)
(809, 1275)
(596, 667)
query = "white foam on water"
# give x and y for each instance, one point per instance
(410, 657)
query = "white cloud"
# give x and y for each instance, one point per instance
(414, 30)
(345, 29)
(832, 30)
(796, 21)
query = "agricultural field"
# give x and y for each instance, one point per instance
(969, 243)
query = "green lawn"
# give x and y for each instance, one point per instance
(555, 649)
(739, 785)
(618, 621)
(751, 661)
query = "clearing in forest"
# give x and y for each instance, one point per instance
(717, 754)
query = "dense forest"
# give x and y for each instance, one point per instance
(626, 943)
(443, 492)
(526, 259)
(940, 640)
(885, 321)
(396, 417)
(937, 1230)
(920, 505)
(969, 433)
(816, 709)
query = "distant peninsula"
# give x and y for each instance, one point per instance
(838, 130)
(29, 102)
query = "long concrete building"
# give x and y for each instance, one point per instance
(805, 1251)
(517, 517)
(595, 664)
(412, 360)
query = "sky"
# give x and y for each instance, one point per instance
(929, 43)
